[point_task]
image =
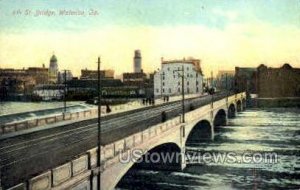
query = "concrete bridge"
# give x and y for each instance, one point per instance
(167, 137)
(170, 136)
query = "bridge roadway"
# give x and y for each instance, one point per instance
(24, 156)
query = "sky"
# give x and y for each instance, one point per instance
(223, 34)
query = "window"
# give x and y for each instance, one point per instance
(170, 91)
(163, 77)
(178, 89)
(196, 74)
(168, 68)
(197, 82)
(188, 83)
(163, 90)
(157, 90)
(178, 83)
(163, 83)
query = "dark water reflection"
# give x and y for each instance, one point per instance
(269, 130)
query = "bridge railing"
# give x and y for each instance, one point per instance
(110, 152)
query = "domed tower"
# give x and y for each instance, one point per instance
(53, 70)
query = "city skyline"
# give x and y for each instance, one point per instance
(223, 34)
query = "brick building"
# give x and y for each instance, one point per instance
(245, 79)
(269, 82)
(14, 82)
(278, 82)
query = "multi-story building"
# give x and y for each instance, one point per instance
(245, 79)
(14, 82)
(49, 92)
(168, 80)
(269, 82)
(134, 79)
(278, 82)
(225, 80)
(93, 74)
(40, 74)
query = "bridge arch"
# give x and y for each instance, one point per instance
(239, 106)
(202, 131)
(231, 111)
(166, 156)
(220, 118)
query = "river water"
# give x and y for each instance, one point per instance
(271, 130)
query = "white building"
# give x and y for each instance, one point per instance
(49, 91)
(168, 80)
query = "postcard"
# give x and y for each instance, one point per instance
(149, 94)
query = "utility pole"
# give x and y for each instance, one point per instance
(182, 90)
(182, 81)
(99, 127)
(226, 85)
(65, 86)
(211, 83)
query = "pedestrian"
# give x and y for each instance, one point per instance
(108, 110)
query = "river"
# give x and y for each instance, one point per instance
(270, 130)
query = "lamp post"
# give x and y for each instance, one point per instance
(99, 127)
(181, 74)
